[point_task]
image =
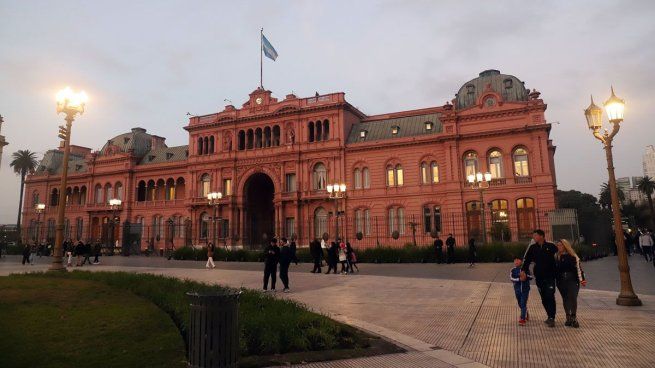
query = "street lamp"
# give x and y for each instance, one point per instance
(614, 107)
(480, 182)
(214, 201)
(115, 205)
(70, 103)
(336, 191)
(39, 208)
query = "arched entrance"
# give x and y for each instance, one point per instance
(259, 209)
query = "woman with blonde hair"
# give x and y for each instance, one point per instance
(569, 276)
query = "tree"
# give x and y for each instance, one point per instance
(647, 186)
(24, 162)
(592, 219)
(605, 199)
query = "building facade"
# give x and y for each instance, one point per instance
(649, 161)
(273, 160)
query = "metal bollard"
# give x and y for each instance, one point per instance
(214, 329)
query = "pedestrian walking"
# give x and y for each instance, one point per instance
(87, 249)
(332, 256)
(33, 251)
(343, 258)
(97, 248)
(40, 250)
(450, 248)
(210, 256)
(286, 257)
(317, 255)
(542, 253)
(472, 252)
(79, 251)
(569, 276)
(271, 259)
(521, 289)
(294, 248)
(68, 249)
(26, 254)
(438, 248)
(352, 257)
(646, 244)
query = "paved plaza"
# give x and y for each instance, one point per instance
(449, 315)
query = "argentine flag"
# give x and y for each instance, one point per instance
(269, 50)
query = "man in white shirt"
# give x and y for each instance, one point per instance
(646, 244)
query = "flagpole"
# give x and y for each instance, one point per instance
(261, 59)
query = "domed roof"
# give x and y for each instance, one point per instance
(508, 86)
(137, 140)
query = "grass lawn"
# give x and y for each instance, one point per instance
(272, 331)
(62, 322)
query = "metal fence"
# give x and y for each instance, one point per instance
(362, 230)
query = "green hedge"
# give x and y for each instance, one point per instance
(268, 325)
(495, 252)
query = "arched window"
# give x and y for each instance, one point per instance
(400, 181)
(79, 228)
(170, 189)
(205, 185)
(118, 187)
(109, 194)
(160, 191)
(470, 164)
(396, 220)
(249, 139)
(67, 228)
(35, 198)
(525, 217)
(276, 136)
(267, 137)
(358, 178)
(320, 222)
(204, 226)
(431, 218)
(157, 226)
(211, 144)
(150, 196)
(54, 197)
(366, 180)
(363, 221)
(98, 193)
(320, 177)
(425, 175)
(258, 138)
(319, 131)
(200, 146)
(205, 146)
(521, 167)
(496, 164)
(242, 140)
(434, 168)
(310, 131)
(69, 195)
(391, 176)
(326, 130)
(141, 191)
(180, 188)
(75, 199)
(83, 195)
(500, 220)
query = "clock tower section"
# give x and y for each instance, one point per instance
(260, 100)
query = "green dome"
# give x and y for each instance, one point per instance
(508, 86)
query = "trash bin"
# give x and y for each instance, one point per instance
(214, 329)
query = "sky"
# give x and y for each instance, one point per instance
(148, 63)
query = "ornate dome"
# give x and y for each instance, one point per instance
(137, 140)
(508, 86)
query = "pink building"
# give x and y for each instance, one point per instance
(272, 159)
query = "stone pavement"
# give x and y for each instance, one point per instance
(449, 315)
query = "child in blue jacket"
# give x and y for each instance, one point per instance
(521, 289)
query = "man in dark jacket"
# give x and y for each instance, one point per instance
(438, 248)
(450, 244)
(271, 259)
(317, 254)
(87, 253)
(26, 254)
(97, 248)
(542, 253)
(286, 257)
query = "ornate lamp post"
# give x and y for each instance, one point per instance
(70, 103)
(39, 208)
(614, 107)
(115, 205)
(480, 182)
(336, 192)
(214, 199)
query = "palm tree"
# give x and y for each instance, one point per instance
(647, 186)
(24, 162)
(605, 199)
